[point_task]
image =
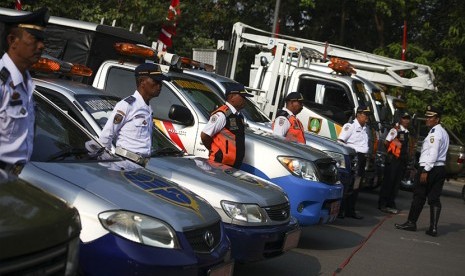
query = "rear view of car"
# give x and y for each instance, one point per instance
(39, 233)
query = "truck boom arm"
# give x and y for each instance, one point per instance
(378, 69)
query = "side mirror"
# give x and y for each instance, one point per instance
(181, 114)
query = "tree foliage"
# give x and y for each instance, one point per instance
(436, 31)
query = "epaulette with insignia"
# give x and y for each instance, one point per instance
(130, 99)
(432, 130)
(4, 74)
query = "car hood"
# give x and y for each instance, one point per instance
(216, 182)
(32, 220)
(314, 140)
(286, 147)
(137, 190)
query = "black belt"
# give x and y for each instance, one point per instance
(12, 168)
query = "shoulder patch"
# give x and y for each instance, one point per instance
(281, 121)
(118, 118)
(130, 99)
(431, 139)
(213, 118)
(4, 74)
(347, 127)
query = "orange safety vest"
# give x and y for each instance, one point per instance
(295, 132)
(228, 146)
(398, 146)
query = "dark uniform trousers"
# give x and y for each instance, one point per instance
(351, 194)
(393, 174)
(430, 190)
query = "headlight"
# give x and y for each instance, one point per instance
(243, 212)
(139, 228)
(299, 167)
(339, 158)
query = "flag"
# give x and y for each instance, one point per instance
(404, 41)
(18, 5)
(168, 28)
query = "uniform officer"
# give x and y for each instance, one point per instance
(431, 174)
(286, 124)
(22, 41)
(397, 144)
(223, 135)
(130, 124)
(355, 135)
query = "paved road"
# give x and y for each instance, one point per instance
(373, 246)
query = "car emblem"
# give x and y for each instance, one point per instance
(209, 239)
(284, 213)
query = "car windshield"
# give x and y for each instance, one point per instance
(56, 138)
(100, 108)
(198, 93)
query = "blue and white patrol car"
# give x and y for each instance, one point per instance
(255, 212)
(134, 222)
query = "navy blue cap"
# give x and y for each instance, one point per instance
(363, 109)
(151, 70)
(34, 22)
(433, 111)
(294, 96)
(237, 88)
(405, 114)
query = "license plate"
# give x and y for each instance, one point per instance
(334, 208)
(291, 240)
(225, 269)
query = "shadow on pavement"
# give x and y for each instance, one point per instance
(301, 264)
(328, 237)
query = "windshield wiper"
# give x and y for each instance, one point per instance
(167, 151)
(70, 151)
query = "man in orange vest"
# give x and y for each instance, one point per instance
(223, 135)
(286, 124)
(397, 142)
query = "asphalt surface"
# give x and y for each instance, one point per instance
(373, 246)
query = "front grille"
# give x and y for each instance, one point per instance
(327, 171)
(47, 262)
(279, 212)
(199, 238)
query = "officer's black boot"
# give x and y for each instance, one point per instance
(435, 211)
(413, 215)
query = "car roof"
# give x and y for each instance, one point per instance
(72, 88)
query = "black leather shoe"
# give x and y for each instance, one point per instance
(389, 210)
(355, 216)
(408, 226)
(433, 232)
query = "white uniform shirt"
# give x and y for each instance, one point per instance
(16, 114)
(282, 124)
(217, 122)
(434, 148)
(130, 124)
(355, 136)
(393, 133)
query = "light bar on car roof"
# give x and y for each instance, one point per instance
(130, 49)
(52, 65)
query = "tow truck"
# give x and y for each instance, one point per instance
(334, 80)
